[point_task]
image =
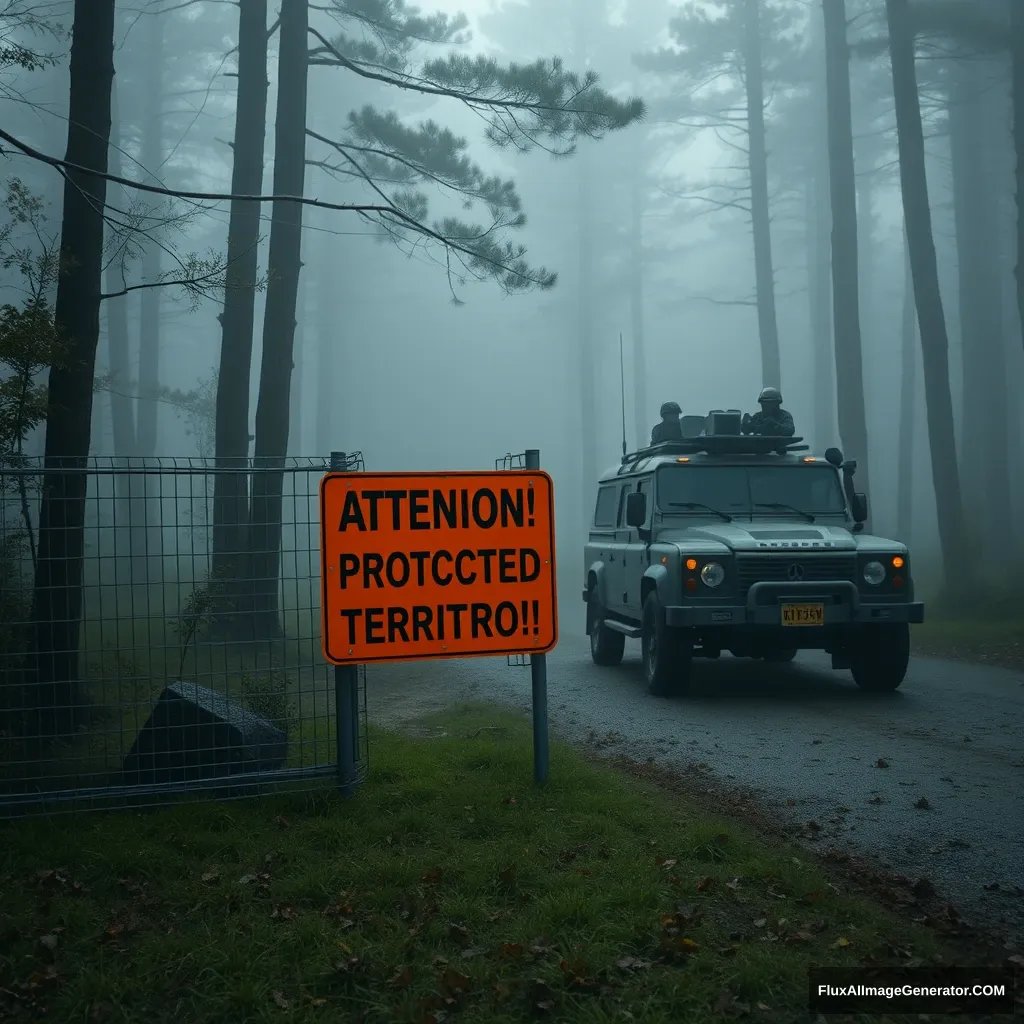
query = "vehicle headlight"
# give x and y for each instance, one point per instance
(712, 574)
(874, 573)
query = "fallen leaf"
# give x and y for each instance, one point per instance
(705, 883)
(763, 1006)
(541, 996)
(630, 963)
(734, 884)
(283, 912)
(247, 879)
(453, 983)
(432, 877)
(760, 922)
(507, 875)
(511, 949)
(316, 1000)
(882, 763)
(49, 942)
(923, 805)
(509, 800)
(791, 803)
(280, 1000)
(841, 942)
(583, 871)
(666, 864)
(472, 951)
(213, 875)
(282, 822)
(402, 978)
(923, 889)
(458, 934)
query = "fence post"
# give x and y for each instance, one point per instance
(346, 697)
(539, 681)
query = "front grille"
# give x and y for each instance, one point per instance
(779, 568)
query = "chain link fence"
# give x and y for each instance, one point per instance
(195, 668)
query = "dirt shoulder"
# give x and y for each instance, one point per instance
(1000, 644)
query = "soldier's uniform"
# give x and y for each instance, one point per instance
(772, 420)
(669, 429)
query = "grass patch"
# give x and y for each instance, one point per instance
(449, 883)
(988, 629)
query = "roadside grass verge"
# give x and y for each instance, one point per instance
(448, 887)
(988, 629)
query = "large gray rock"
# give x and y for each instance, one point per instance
(197, 733)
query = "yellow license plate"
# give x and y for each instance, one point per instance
(803, 615)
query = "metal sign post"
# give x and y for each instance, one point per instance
(539, 683)
(346, 696)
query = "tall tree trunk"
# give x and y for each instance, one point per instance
(296, 431)
(1017, 58)
(231, 443)
(152, 154)
(271, 446)
(636, 297)
(118, 358)
(764, 273)
(585, 287)
(985, 426)
(845, 279)
(819, 248)
(908, 413)
(327, 318)
(927, 295)
(57, 605)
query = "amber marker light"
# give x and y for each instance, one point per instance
(691, 564)
(683, 458)
(897, 562)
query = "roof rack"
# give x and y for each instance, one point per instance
(720, 444)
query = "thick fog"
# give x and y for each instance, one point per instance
(648, 229)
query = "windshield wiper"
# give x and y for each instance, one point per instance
(783, 505)
(697, 504)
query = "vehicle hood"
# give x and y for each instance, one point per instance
(763, 537)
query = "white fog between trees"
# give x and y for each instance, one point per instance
(816, 195)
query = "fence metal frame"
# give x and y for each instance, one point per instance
(530, 459)
(34, 792)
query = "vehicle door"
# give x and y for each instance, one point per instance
(636, 555)
(603, 537)
(615, 568)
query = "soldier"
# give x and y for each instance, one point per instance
(772, 420)
(669, 429)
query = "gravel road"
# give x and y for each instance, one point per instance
(805, 740)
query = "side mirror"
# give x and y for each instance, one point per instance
(860, 507)
(834, 457)
(636, 509)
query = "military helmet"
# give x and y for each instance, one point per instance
(670, 408)
(770, 395)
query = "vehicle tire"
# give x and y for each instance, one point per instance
(667, 653)
(879, 661)
(780, 657)
(606, 645)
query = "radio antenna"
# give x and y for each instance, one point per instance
(622, 391)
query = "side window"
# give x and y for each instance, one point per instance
(626, 488)
(604, 513)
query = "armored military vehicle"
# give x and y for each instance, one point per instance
(744, 544)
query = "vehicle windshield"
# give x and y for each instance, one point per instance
(739, 490)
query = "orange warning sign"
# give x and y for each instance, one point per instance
(437, 565)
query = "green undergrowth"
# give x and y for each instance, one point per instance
(985, 627)
(449, 888)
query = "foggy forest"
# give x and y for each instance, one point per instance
(483, 227)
